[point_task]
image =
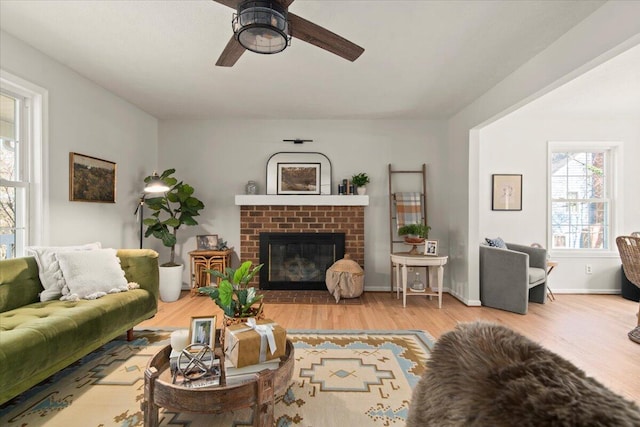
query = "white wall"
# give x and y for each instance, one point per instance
(218, 157)
(617, 25)
(518, 144)
(87, 119)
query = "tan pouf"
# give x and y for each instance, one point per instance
(345, 279)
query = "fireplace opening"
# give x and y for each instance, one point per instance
(298, 261)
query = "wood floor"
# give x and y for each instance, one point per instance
(589, 330)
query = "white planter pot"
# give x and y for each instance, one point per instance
(361, 191)
(170, 283)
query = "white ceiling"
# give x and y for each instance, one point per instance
(422, 59)
(611, 90)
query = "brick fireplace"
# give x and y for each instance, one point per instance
(336, 214)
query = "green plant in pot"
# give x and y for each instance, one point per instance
(173, 209)
(233, 294)
(414, 233)
(177, 207)
(360, 180)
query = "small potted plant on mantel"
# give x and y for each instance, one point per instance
(360, 180)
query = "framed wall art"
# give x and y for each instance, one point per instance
(91, 179)
(207, 242)
(298, 178)
(202, 331)
(298, 173)
(507, 193)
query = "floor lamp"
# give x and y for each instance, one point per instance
(155, 185)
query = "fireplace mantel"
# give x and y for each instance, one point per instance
(301, 200)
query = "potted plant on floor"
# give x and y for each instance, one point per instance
(360, 180)
(175, 208)
(234, 296)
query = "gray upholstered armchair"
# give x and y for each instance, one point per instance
(510, 278)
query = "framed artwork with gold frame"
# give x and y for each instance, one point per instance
(91, 179)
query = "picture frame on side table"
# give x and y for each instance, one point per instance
(91, 179)
(506, 192)
(202, 331)
(431, 247)
(298, 178)
(207, 242)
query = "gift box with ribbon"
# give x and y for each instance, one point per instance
(254, 342)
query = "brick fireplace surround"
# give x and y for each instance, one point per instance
(255, 219)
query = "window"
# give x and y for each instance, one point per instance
(21, 165)
(582, 202)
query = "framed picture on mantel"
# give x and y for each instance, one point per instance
(298, 178)
(298, 173)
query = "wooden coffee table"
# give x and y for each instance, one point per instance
(259, 394)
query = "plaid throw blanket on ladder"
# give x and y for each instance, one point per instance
(408, 208)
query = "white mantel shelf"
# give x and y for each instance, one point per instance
(301, 200)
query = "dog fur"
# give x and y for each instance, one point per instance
(483, 374)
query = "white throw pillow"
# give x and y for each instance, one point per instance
(91, 274)
(49, 269)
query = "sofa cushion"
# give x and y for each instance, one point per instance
(49, 268)
(91, 274)
(19, 283)
(536, 275)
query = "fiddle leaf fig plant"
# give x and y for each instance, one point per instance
(233, 295)
(177, 207)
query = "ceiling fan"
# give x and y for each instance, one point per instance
(267, 27)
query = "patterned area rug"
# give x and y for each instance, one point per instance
(306, 297)
(341, 378)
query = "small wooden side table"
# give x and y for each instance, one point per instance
(202, 260)
(404, 259)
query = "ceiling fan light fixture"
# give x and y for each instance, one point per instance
(261, 26)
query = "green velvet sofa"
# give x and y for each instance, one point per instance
(38, 339)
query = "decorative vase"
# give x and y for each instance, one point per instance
(170, 283)
(362, 191)
(251, 188)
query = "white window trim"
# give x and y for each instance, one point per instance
(38, 154)
(617, 208)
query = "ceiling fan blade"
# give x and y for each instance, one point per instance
(231, 53)
(312, 33)
(233, 4)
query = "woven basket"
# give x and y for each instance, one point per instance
(347, 265)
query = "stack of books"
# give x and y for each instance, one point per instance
(248, 373)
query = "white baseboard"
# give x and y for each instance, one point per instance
(586, 291)
(465, 301)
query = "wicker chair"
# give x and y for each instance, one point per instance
(629, 248)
